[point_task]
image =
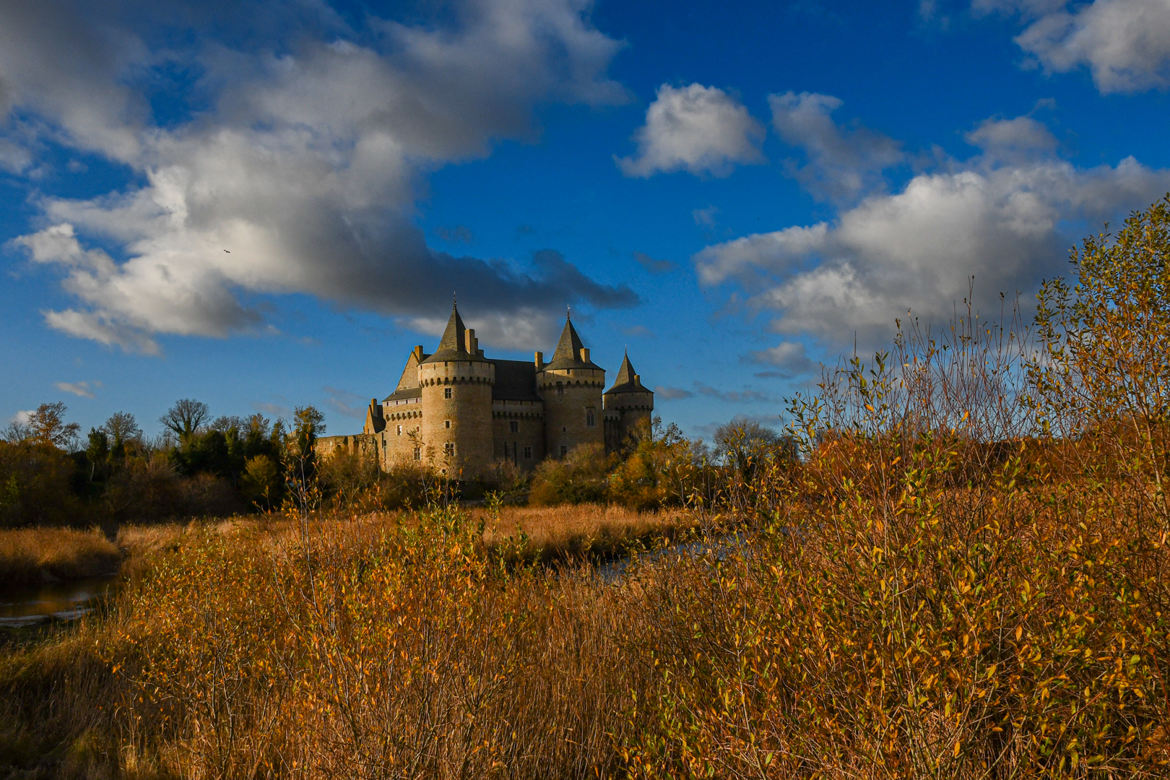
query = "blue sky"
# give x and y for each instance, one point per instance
(265, 205)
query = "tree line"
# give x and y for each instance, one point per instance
(199, 465)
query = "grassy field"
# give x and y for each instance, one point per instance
(36, 555)
(1016, 629)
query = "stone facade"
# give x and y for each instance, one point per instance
(459, 412)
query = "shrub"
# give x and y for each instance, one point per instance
(579, 478)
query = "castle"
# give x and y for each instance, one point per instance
(460, 412)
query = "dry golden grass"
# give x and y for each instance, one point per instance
(33, 555)
(548, 532)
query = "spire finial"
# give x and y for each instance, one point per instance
(569, 312)
(454, 302)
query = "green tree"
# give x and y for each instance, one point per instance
(261, 483)
(579, 477)
(301, 459)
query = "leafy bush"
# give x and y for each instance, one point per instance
(579, 478)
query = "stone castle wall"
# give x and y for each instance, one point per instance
(518, 432)
(457, 417)
(572, 408)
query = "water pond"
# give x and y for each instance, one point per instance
(53, 601)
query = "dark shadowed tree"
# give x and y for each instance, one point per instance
(186, 417)
(121, 427)
(741, 440)
(225, 424)
(301, 459)
(97, 454)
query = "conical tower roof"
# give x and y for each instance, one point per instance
(453, 344)
(627, 380)
(570, 350)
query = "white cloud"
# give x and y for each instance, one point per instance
(1021, 136)
(1124, 43)
(81, 389)
(518, 329)
(771, 252)
(1007, 224)
(302, 175)
(86, 325)
(695, 129)
(14, 158)
(841, 164)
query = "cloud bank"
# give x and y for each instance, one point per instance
(1005, 217)
(294, 170)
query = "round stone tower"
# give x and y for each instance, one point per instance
(570, 385)
(628, 406)
(456, 383)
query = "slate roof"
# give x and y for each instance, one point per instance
(403, 395)
(515, 381)
(627, 380)
(568, 351)
(453, 345)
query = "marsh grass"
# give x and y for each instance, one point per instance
(30, 556)
(580, 532)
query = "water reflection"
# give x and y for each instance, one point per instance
(613, 570)
(60, 601)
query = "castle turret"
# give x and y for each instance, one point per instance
(570, 385)
(456, 384)
(628, 406)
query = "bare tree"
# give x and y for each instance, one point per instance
(186, 417)
(122, 427)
